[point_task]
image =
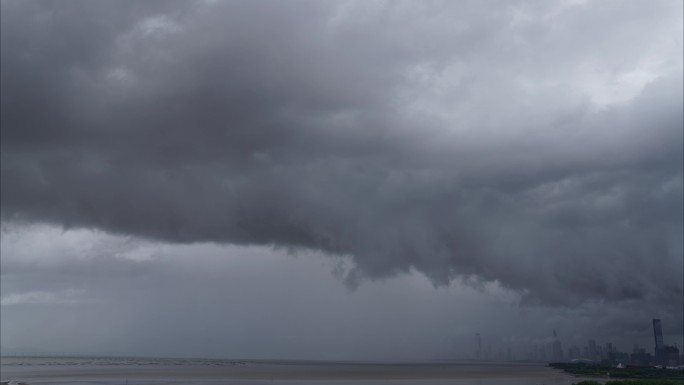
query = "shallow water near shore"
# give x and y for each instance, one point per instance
(158, 371)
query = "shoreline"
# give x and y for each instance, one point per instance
(46, 371)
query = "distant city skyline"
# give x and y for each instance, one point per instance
(552, 350)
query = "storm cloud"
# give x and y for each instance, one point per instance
(534, 145)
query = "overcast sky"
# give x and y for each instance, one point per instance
(340, 179)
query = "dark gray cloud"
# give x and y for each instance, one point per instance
(534, 145)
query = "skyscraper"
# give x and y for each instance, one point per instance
(658, 334)
(557, 349)
(592, 350)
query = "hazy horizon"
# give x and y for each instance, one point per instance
(343, 180)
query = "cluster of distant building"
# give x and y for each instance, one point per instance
(663, 355)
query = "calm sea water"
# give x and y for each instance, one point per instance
(159, 371)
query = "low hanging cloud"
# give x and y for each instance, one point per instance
(65, 297)
(537, 145)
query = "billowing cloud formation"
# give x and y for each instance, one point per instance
(533, 144)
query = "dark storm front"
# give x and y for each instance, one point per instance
(409, 181)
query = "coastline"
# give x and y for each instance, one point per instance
(233, 372)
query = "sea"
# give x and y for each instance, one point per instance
(195, 371)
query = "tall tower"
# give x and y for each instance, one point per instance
(478, 341)
(592, 350)
(658, 334)
(557, 349)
